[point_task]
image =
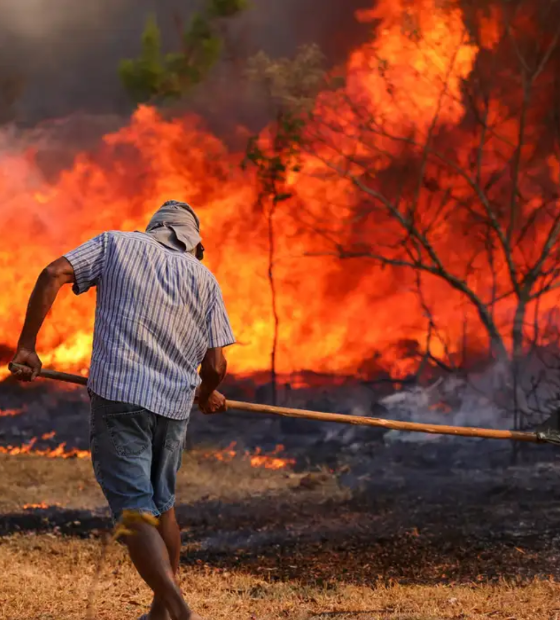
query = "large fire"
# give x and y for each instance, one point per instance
(335, 317)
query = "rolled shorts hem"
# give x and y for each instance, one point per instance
(155, 512)
(117, 515)
(167, 506)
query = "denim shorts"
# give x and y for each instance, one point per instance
(136, 455)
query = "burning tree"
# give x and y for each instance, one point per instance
(463, 140)
(289, 88)
(442, 161)
(436, 161)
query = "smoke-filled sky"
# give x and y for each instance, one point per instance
(67, 51)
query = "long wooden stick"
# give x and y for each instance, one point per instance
(434, 429)
(340, 418)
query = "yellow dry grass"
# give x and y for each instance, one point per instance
(70, 482)
(49, 576)
(46, 577)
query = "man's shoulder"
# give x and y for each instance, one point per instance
(128, 238)
(200, 268)
(123, 234)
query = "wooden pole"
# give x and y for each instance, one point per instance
(64, 377)
(434, 429)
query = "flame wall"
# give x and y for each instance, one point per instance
(335, 316)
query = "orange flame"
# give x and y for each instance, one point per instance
(59, 452)
(257, 459)
(333, 317)
(42, 506)
(10, 413)
(270, 461)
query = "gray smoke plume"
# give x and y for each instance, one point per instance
(64, 54)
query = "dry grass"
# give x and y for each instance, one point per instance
(49, 578)
(70, 482)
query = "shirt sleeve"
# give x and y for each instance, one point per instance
(220, 333)
(88, 261)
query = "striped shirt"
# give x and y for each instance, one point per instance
(157, 313)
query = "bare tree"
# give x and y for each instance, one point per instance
(489, 182)
(289, 88)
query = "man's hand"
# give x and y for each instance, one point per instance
(213, 403)
(212, 371)
(31, 361)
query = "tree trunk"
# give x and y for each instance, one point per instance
(272, 283)
(520, 408)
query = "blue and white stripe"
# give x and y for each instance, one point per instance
(158, 311)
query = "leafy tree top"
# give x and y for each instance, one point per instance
(156, 76)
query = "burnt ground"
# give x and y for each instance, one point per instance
(361, 507)
(460, 530)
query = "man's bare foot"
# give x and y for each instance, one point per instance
(157, 612)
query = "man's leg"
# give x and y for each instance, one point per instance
(171, 534)
(150, 556)
(121, 448)
(169, 438)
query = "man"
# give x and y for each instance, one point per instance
(159, 316)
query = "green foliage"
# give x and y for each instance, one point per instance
(225, 8)
(158, 76)
(146, 74)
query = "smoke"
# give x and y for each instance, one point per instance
(36, 19)
(66, 53)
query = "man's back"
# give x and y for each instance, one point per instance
(158, 311)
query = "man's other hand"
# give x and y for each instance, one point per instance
(31, 362)
(214, 403)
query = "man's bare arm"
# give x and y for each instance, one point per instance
(50, 281)
(212, 372)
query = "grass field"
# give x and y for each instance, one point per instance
(49, 575)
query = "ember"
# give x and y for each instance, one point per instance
(270, 461)
(9, 413)
(256, 459)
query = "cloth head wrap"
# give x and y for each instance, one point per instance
(175, 225)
